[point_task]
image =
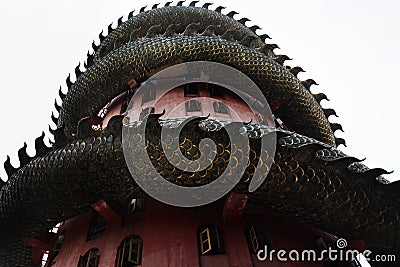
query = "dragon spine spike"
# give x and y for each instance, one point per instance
(193, 3)
(307, 83)
(60, 139)
(210, 30)
(263, 37)
(68, 81)
(153, 31)
(90, 59)
(296, 70)
(219, 9)
(119, 22)
(267, 48)
(95, 47)
(343, 162)
(78, 72)
(2, 183)
(61, 94)
(254, 28)
(40, 146)
(180, 3)
(171, 30)
(142, 9)
(53, 118)
(51, 130)
(336, 126)
(206, 5)
(329, 112)
(232, 14)
(130, 15)
(248, 40)
(190, 28)
(155, 6)
(320, 96)
(243, 21)
(109, 29)
(23, 156)
(168, 3)
(9, 168)
(280, 59)
(373, 173)
(340, 141)
(58, 107)
(101, 36)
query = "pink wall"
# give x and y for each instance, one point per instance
(170, 237)
(174, 104)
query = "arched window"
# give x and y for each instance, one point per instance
(193, 105)
(130, 252)
(90, 259)
(220, 107)
(257, 239)
(211, 241)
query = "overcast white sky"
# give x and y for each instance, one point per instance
(350, 48)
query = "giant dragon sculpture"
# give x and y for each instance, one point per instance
(310, 179)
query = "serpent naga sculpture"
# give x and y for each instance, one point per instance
(309, 179)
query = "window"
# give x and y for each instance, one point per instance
(97, 226)
(211, 241)
(59, 241)
(193, 105)
(216, 90)
(130, 252)
(257, 239)
(146, 112)
(191, 89)
(220, 107)
(136, 204)
(90, 259)
(149, 94)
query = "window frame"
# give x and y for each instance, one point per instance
(217, 105)
(188, 105)
(257, 237)
(211, 236)
(92, 254)
(136, 204)
(134, 254)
